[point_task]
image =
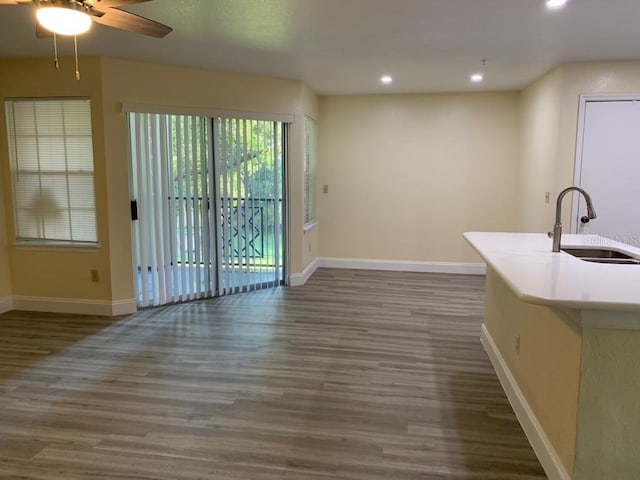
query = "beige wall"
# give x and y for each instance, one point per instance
(408, 174)
(547, 365)
(5, 274)
(609, 417)
(549, 121)
(64, 272)
(135, 82)
(540, 124)
(581, 384)
(57, 272)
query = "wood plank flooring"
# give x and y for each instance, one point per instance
(356, 375)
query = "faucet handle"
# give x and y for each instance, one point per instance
(550, 234)
(585, 219)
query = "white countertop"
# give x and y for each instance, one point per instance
(537, 275)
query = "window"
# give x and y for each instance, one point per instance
(310, 165)
(51, 154)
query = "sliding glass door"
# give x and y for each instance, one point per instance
(248, 156)
(207, 205)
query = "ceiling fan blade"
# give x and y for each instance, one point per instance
(132, 23)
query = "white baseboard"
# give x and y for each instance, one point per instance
(404, 266)
(123, 307)
(538, 439)
(5, 304)
(75, 306)
(298, 279)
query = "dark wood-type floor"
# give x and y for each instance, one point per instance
(356, 375)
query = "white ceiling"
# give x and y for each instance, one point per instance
(344, 46)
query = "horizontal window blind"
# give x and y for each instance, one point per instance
(51, 157)
(310, 162)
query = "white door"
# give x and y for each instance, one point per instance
(609, 170)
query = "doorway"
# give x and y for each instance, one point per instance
(207, 205)
(607, 166)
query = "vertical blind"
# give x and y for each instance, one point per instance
(171, 238)
(249, 159)
(310, 167)
(51, 156)
(209, 198)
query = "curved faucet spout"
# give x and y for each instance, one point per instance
(557, 229)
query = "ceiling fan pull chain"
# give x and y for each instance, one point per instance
(55, 52)
(75, 49)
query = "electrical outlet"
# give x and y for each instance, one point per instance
(95, 276)
(547, 197)
(518, 345)
(325, 189)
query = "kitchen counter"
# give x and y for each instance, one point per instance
(563, 335)
(539, 276)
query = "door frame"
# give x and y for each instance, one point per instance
(582, 113)
(208, 117)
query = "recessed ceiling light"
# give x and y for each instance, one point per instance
(556, 3)
(476, 77)
(386, 79)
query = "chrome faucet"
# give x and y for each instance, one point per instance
(557, 229)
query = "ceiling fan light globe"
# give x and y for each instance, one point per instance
(63, 20)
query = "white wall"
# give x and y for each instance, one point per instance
(408, 174)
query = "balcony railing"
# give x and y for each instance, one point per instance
(247, 225)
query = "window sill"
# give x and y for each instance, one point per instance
(310, 226)
(67, 247)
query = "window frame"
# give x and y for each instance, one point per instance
(310, 174)
(46, 243)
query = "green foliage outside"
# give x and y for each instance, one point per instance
(248, 153)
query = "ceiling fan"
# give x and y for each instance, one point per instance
(73, 17)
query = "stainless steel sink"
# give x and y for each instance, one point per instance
(602, 255)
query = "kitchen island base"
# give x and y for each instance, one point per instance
(575, 390)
